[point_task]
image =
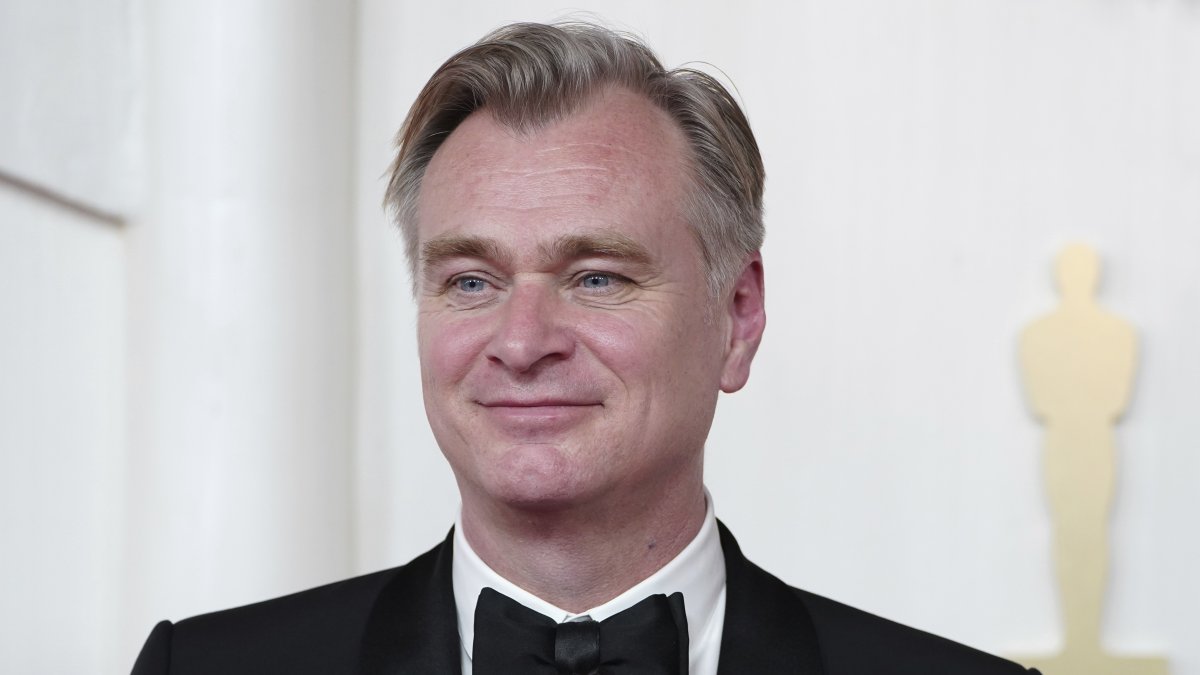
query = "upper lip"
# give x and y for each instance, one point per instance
(533, 402)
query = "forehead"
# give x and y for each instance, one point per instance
(618, 158)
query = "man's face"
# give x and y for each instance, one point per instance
(566, 353)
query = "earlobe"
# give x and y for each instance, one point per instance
(747, 318)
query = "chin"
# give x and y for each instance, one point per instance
(537, 477)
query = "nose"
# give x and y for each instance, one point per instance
(529, 330)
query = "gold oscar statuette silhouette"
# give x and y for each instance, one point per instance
(1078, 365)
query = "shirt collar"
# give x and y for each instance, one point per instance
(698, 572)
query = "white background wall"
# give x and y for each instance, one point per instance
(211, 397)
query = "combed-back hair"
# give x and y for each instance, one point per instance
(528, 75)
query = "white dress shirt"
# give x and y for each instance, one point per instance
(698, 572)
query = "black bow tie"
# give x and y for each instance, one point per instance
(649, 638)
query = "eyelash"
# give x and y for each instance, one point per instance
(456, 283)
(613, 282)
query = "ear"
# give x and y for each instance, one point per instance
(747, 317)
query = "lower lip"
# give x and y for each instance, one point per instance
(539, 415)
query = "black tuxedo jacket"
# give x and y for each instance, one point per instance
(403, 622)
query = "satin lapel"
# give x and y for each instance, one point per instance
(413, 627)
(767, 627)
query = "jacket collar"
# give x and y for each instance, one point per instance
(413, 627)
(767, 627)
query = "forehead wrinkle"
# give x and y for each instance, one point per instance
(519, 185)
(581, 168)
(600, 151)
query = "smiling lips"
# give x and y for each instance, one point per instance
(526, 414)
(536, 403)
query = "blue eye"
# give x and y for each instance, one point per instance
(596, 281)
(470, 284)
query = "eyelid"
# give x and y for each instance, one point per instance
(458, 280)
(617, 281)
(584, 274)
(450, 287)
(471, 274)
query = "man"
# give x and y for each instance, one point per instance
(584, 231)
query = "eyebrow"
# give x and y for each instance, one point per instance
(601, 245)
(441, 249)
(613, 245)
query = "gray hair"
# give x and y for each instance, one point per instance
(528, 75)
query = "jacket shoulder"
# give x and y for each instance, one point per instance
(319, 630)
(854, 641)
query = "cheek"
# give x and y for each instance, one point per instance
(448, 347)
(622, 341)
(660, 346)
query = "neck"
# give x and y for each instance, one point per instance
(583, 555)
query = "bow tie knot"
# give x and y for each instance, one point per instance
(649, 638)
(577, 647)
